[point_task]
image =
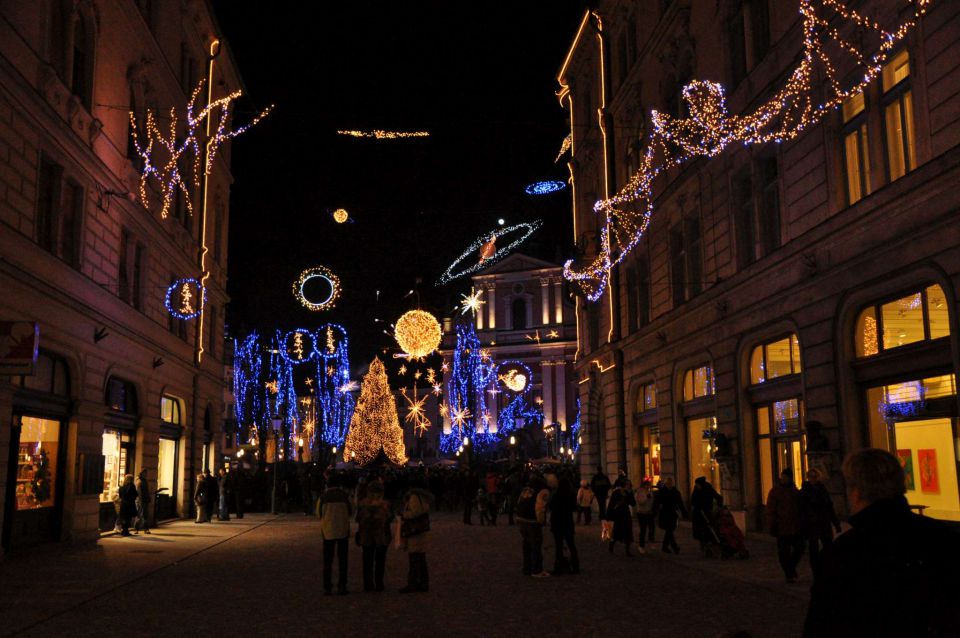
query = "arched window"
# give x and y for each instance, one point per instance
(700, 421)
(698, 383)
(50, 376)
(646, 398)
(518, 312)
(919, 316)
(170, 410)
(775, 359)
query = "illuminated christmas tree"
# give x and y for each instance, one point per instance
(375, 425)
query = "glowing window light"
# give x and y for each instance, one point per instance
(417, 333)
(545, 187)
(378, 134)
(318, 272)
(710, 128)
(181, 301)
(484, 242)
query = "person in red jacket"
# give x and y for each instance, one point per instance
(783, 518)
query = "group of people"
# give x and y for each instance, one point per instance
(216, 493)
(375, 517)
(132, 505)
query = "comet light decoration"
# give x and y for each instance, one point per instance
(416, 412)
(166, 169)
(471, 303)
(181, 301)
(417, 333)
(486, 241)
(334, 392)
(318, 272)
(546, 187)
(814, 88)
(377, 134)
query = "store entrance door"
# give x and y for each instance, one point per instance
(34, 483)
(790, 457)
(927, 453)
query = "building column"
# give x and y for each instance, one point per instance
(546, 384)
(558, 301)
(492, 306)
(81, 512)
(6, 426)
(544, 301)
(560, 385)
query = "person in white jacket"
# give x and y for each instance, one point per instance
(585, 500)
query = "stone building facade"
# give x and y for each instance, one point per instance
(119, 386)
(789, 302)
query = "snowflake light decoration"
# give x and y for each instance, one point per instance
(472, 302)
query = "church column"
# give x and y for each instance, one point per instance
(558, 300)
(544, 301)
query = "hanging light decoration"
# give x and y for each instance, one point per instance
(318, 272)
(487, 251)
(418, 333)
(183, 299)
(545, 187)
(341, 216)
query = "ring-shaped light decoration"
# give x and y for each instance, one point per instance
(418, 333)
(329, 340)
(515, 376)
(483, 243)
(181, 301)
(545, 187)
(295, 349)
(317, 272)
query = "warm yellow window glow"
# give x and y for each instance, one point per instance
(896, 70)
(937, 312)
(775, 359)
(37, 459)
(857, 161)
(866, 342)
(853, 106)
(698, 383)
(902, 321)
(919, 316)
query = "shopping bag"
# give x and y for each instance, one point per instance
(606, 530)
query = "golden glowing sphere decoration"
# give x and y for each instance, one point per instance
(418, 333)
(341, 215)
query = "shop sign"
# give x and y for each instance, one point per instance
(19, 341)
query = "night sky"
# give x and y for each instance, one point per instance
(480, 77)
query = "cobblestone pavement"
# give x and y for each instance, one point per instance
(260, 576)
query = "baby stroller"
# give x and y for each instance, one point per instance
(731, 538)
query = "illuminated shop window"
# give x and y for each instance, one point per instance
(919, 316)
(698, 383)
(775, 359)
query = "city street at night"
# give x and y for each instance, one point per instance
(260, 576)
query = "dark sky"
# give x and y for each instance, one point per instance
(480, 76)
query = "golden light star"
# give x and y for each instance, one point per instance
(416, 413)
(460, 416)
(444, 409)
(309, 382)
(417, 375)
(431, 376)
(272, 386)
(402, 370)
(445, 366)
(471, 302)
(553, 334)
(534, 337)
(539, 400)
(437, 389)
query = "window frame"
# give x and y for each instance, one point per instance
(857, 125)
(796, 367)
(877, 306)
(896, 93)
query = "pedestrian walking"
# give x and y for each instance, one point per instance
(530, 514)
(415, 536)
(128, 504)
(213, 491)
(223, 491)
(373, 535)
(562, 503)
(783, 519)
(703, 499)
(239, 484)
(600, 484)
(200, 497)
(143, 503)
(818, 516)
(668, 507)
(585, 500)
(619, 511)
(334, 512)
(894, 573)
(644, 508)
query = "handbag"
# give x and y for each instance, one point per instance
(415, 526)
(606, 530)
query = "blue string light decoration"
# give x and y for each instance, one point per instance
(471, 376)
(575, 430)
(247, 385)
(181, 302)
(813, 89)
(334, 390)
(293, 346)
(487, 252)
(515, 378)
(546, 187)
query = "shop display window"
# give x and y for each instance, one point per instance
(701, 450)
(781, 442)
(118, 461)
(166, 464)
(651, 446)
(647, 397)
(698, 383)
(37, 459)
(775, 359)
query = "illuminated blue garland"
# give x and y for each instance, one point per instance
(306, 352)
(333, 396)
(519, 406)
(469, 380)
(575, 430)
(247, 385)
(545, 187)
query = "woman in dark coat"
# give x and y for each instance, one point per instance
(668, 507)
(128, 504)
(618, 511)
(702, 500)
(373, 535)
